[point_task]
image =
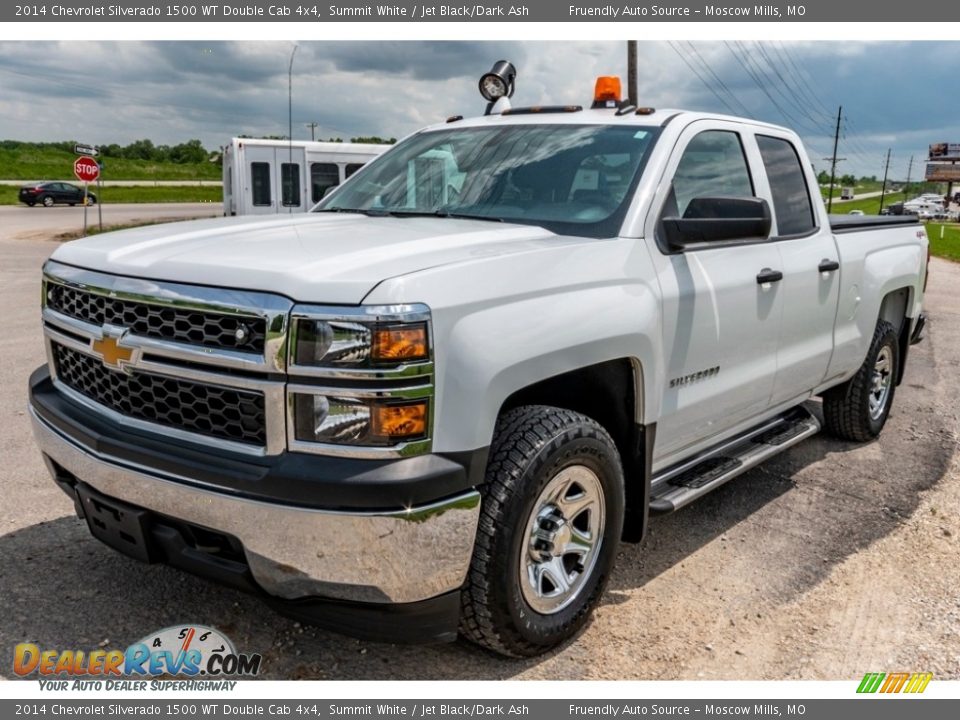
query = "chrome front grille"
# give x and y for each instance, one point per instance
(166, 358)
(220, 412)
(163, 322)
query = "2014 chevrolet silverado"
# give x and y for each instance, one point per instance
(439, 401)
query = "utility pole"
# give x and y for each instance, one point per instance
(833, 162)
(883, 190)
(906, 188)
(313, 129)
(632, 72)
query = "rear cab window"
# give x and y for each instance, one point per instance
(788, 186)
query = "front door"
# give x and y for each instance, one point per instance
(720, 325)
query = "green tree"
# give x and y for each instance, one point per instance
(140, 150)
(374, 140)
(191, 151)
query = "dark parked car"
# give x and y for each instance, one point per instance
(51, 193)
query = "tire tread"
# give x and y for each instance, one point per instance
(521, 434)
(843, 406)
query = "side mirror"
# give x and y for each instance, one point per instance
(712, 220)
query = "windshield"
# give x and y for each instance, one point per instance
(570, 179)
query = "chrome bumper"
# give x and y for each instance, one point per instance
(381, 557)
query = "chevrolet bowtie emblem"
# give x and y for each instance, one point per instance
(110, 351)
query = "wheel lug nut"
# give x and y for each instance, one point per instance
(544, 545)
(549, 525)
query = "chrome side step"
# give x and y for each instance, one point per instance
(684, 483)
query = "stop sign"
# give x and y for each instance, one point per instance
(86, 169)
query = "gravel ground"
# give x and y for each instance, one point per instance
(831, 560)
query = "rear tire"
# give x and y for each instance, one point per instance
(551, 519)
(858, 409)
(48, 201)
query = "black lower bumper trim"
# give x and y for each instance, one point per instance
(420, 623)
(151, 537)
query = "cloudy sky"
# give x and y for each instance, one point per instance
(895, 95)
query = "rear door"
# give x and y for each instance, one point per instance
(811, 271)
(720, 325)
(290, 176)
(260, 180)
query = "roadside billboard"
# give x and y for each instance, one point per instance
(945, 151)
(943, 173)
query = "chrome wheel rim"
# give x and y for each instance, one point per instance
(562, 540)
(880, 382)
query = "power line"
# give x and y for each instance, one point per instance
(705, 65)
(785, 87)
(702, 79)
(803, 75)
(757, 81)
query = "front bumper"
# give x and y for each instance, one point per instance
(307, 555)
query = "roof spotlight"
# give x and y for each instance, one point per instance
(499, 82)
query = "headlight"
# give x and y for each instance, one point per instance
(366, 384)
(321, 418)
(371, 340)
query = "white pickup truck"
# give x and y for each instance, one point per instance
(437, 403)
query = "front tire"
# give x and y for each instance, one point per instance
(48, 201)
(552, 516)
(858, 409)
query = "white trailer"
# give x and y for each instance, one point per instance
(266, 177)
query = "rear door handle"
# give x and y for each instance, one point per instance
(827, 265)
(768, 276)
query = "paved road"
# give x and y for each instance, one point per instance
(832, 560)
(124, 183)
(20, 221)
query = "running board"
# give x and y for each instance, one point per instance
(682, 484)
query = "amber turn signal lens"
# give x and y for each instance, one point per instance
(400, 421)
(407, 342)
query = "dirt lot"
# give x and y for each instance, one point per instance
(830, 561)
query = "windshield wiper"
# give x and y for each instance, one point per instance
(357, 211)
(382, 212)
(442, 214)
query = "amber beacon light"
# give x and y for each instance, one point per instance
(606, 92)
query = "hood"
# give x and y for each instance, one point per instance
(319, 258)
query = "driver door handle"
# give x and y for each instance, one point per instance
(768, 276)
(827, 265)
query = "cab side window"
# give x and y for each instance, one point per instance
(712, 165)
(791, 198)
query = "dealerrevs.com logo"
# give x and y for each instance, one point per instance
(180, 651)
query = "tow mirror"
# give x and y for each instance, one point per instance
(711, 220)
